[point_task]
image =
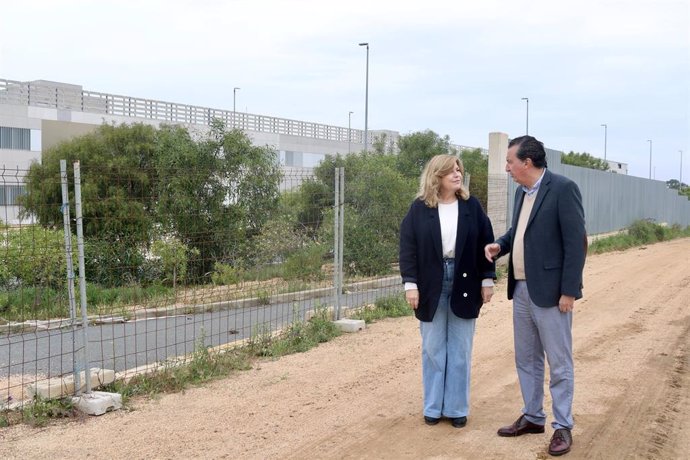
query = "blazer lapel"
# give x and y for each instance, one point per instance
(541, 193)
(463, 227)
(435, 225)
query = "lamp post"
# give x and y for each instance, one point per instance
(527, 117)
(680, 185)
(349, 130)
(366, 102)
(650, 157)
(234, 97)
(234, 100)
(605, 135)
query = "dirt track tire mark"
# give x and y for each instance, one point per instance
(657, 427)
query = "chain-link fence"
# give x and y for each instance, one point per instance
(174, 259)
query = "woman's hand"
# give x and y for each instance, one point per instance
(412, 298)
(487, 293)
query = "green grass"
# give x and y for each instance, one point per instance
(386, 307)
(204, 366)
(47, 303)
(641, 232)
(41, 411)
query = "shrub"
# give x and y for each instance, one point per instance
(305, 264)
(224, 274)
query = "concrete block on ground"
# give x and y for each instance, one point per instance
(64, 386)
(98, 402)
(350, 325)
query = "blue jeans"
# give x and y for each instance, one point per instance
(446, 357)
(543, 332)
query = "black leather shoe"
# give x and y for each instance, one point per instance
(520, 427)
(560, 442)
(459, 422)
(431, 420)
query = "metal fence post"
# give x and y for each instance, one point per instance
(341, 237)
(70, 274)
(336, 245)
(338, 236)
(82, 277)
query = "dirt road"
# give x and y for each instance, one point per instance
(360, 395)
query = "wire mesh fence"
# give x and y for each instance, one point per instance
(176, 259)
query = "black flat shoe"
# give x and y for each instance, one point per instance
(431, 420)
(459, 422)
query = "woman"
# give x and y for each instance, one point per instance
(447, 279)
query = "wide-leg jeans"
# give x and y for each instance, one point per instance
(446, 357)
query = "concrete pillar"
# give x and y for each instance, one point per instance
(497, 199)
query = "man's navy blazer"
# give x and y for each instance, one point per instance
(421, 257)
(554, 242)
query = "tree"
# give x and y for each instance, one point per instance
(215, 193)
(476, 165)
(116, 177)
(674, 184)
(377, 196)
(416, 149)
(117, 200)
(212, 192)
(584, 160)
(173, 257)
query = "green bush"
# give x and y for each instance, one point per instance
(644, 231)
(305, 264)
(173, 255)
(34, 256)
(224, 274)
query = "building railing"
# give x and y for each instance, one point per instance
(72, 97)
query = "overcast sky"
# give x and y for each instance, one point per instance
(457, 67)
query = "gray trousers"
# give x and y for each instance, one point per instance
(538, 332)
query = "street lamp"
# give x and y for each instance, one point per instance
(605, 134)
(680, 185)
(349, 130)
(366, 102)
(234, 99)
(650, 157)
(527, 118)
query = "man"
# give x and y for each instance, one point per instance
(547, 246)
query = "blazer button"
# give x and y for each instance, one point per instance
(464, 294)
(464, 275)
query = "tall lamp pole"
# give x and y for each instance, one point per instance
(527, 117)
(680, 185)
(234, 97)
(366, 102)
(650, 157)
(234, 100)
(349, 131)
(606, 128)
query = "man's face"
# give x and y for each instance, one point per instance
(515, 167)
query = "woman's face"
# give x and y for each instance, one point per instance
(451, 182)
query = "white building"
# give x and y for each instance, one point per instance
(37, 115)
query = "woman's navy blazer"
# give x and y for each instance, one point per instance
(421, 257)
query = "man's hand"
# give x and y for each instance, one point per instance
(412, 297)
(491, 251)
(566, 303)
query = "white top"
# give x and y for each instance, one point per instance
(448, 215)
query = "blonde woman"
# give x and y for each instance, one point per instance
(447, 280)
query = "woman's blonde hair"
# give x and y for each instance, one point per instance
(430, 180)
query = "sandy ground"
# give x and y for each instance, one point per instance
(360, 396)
